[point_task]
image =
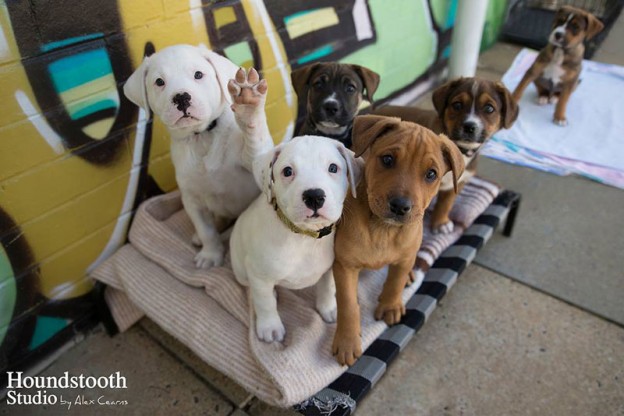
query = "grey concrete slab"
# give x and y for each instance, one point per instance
(259, 408)
(156, 382)
(496, 347)
(567, 240)
(223, 384)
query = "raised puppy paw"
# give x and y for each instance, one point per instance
(542, 100)
(346, 349)
(210, 256)
(444, 228)
(561, 122)
(270, 329)
(248, 94)
(391, 312)
(554, 99)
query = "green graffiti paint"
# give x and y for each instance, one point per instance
(406, 44)
(240, 53)
(8, 293)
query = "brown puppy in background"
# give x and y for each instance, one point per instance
(469, 111)
(556, 69)
(404, 165)
(332, 93)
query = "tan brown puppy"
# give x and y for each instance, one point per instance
(469, 111)
(332, 93)
(404, 164)
(556, 69)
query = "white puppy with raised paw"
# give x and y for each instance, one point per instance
(190, 89)
(286, 236)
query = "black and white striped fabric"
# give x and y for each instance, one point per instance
(341, 397)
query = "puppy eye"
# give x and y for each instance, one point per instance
(199, 75)
(333, 168)
(457, 106)
(350, 89)
(488, 108)
(318, 84)
(431, 175)
(160, 82)
(287, 171)
(387, 161)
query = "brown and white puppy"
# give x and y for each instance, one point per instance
(403, 167)
(332, 93)
(556, 69)
(469, 111)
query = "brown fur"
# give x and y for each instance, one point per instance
(449, 117)
(369, 235)
(582, 26)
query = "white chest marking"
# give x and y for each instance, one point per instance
(554, 70)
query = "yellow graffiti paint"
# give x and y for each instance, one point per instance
(311, 21)
(224, 16)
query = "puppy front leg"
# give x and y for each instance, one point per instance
(248, 95)
(326, 297)
(347, 345)
(531, 75)
(269, 326)
(212, 251)
(391, 307)
(440, 222)
(560, 109)
(528, 77)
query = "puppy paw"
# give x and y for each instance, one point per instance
(270, 330)
(445, 228)
(542, 100)
(553, 100)
(415, 278)
(390, 312)
(347, 349)
(248, 94)
(195, 240)
(561, 122)
(209, 257)
(329, 313)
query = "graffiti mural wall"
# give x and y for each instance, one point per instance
(76, 157)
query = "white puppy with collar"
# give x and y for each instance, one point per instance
(213, 145)
(286, 236)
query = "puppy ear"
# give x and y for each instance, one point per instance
(370, 80)
(300, 77)
(135, 88)
(355, 167)
(263, 171)
(441, 95)
(453, 158)
(510, 110)
(368, 128)
(223, 67)
(594, 25)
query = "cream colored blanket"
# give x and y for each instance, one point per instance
(208, 311)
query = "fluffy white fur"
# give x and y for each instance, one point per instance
(266, 253)
(213, 168)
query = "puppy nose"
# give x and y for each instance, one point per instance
(558, 35)
(470, 127)
(314, 198)
(331, 108)
(182, 101)
(400, 205)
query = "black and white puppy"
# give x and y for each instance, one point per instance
(332, 93)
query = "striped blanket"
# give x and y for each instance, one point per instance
(209, 312)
